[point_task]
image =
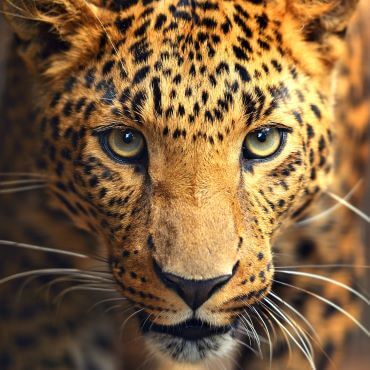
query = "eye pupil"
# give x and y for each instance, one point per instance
(262, 135)
(128, 137)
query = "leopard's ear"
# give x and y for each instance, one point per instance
(324, 22)
(46, 30)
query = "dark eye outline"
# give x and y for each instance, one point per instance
(254, 158)
(103, 136)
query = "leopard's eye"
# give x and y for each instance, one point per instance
(263, 143)
(124, 144)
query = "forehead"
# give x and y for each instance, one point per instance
(191, 64)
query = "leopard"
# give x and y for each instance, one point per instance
(181, 183)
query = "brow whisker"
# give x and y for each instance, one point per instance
(330, 210)
(350, 206)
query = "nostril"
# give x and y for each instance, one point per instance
(193, 292)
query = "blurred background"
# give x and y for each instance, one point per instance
(358, 355)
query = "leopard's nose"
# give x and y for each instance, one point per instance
(193, 292)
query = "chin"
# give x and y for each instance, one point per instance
(191, 341)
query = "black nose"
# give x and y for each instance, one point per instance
(193, 292)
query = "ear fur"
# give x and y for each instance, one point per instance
(46, 28)
(324, 22)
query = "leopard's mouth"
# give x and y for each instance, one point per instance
(190, 341)
(190, 330)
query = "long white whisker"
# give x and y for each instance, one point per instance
(350, 206)
(128, 318)
(248, 347)
(10, 243)
(330, 303)
(309, 359)
(328, 280)
(20, 174)
(53, 271)
(256, 336)
(322, 266)
(20, 189)
(93, 287)
(330, 210)
(302, 336)
(296, 312)
(106, 301)
(267, 333)
(21, 182)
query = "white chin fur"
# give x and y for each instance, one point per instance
(181, 350)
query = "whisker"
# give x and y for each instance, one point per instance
(267, 333)
(330, 210)
(22, 174)
(301, 334)
(256, 353)
(10, 243)
(330, 303)
(21, 182)
(350, 206)
(296, 312)
(275, 334)
(52, 271)
(106, 301)
(20, 189)
(112, 308)
(256, 336)
(75, 279)
(128, 318)
(316, 339)
(328, 280)
(307, 355)
(322, 266)
(94, 287)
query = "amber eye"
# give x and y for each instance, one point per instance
(124, 144)
(263, 143)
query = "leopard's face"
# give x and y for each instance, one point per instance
(186, 136)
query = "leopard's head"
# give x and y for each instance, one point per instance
(185, 135)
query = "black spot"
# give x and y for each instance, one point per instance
(124, 24)
(239, 53)
(108, 66)
(277, 65)
(89, 109)
(141, 74)
(161, 19)
(310, 131)
(157, 95)
(243, 73)
(315, 109)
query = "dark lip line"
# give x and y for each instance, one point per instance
(191, 330)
